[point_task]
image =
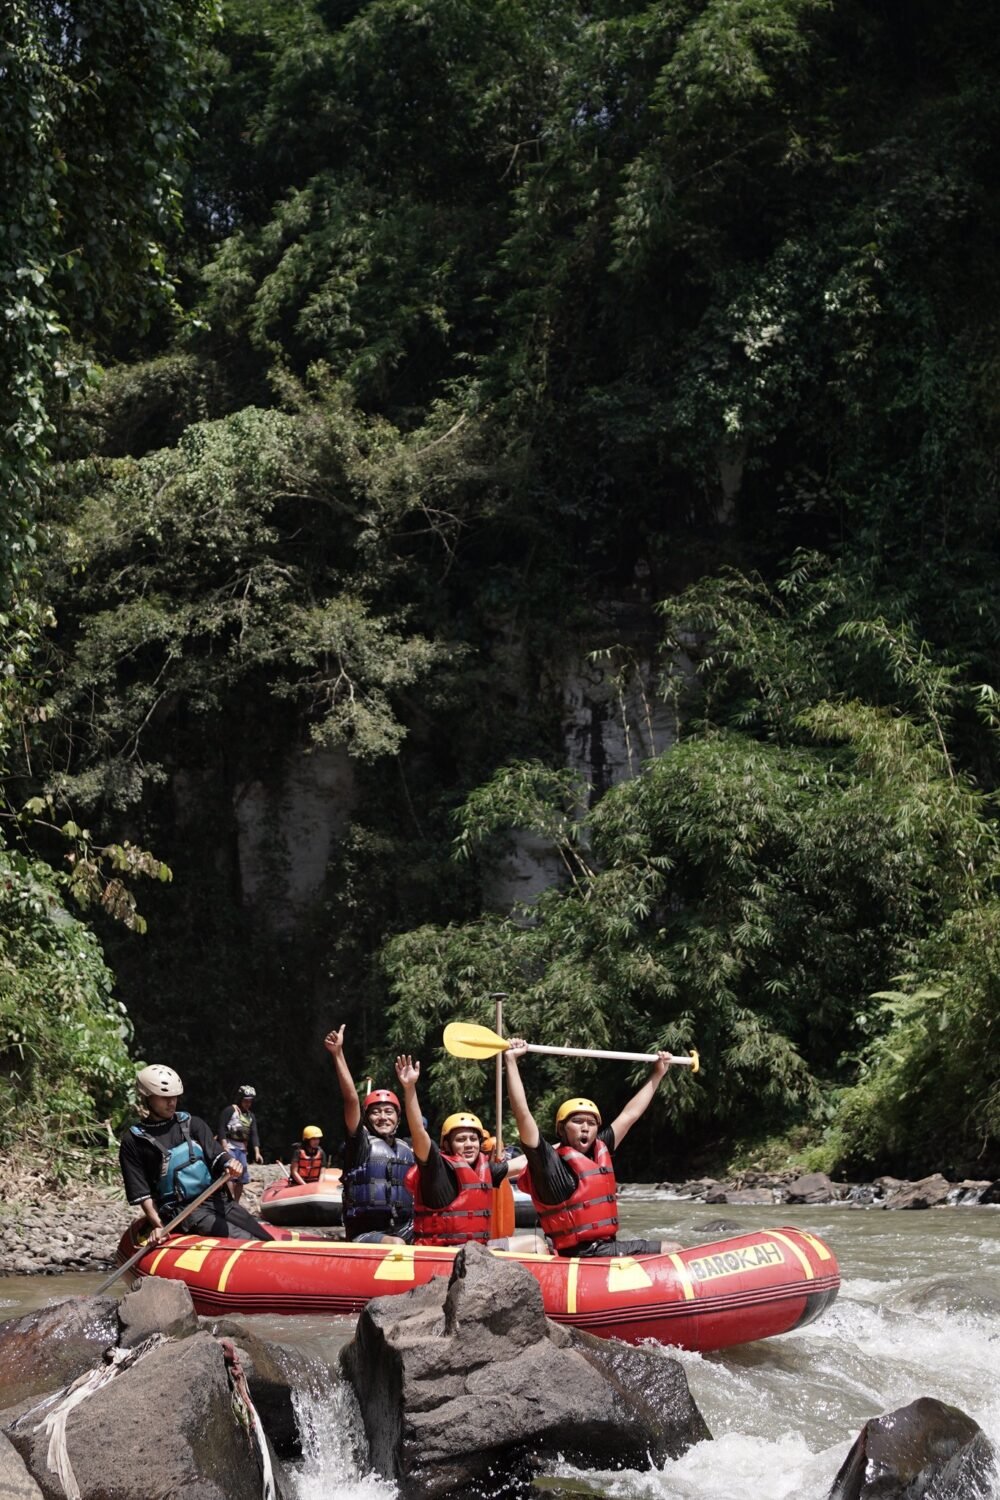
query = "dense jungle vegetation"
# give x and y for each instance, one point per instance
(365, 363)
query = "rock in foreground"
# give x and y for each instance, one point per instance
(465, 1381)
(926, 1450)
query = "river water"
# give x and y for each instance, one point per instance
(918, 1315)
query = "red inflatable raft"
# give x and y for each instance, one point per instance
(316, 1203)
(729, 1292)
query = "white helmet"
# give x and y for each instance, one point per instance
(156, 1079)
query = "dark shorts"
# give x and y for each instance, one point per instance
(379, 1236)
(615, 1247)
(240, 1154)
(223, 1217)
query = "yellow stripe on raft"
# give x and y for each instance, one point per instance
(572, 1278)
(802, 1259)
(232, 1261)
(822, 1252)
(626, 1275)
(683, 1276)
(397, 1265)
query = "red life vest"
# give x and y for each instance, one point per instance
(467, 1216)
(309, 1167)
(590, 1213)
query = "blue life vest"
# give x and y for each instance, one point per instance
(184, 1173)
(374, 1195)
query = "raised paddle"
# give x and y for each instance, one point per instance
(502, 1219)
(188, 1208)
(466, 1039)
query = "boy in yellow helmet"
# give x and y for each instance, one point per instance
(572, 1184)
(452, 1183)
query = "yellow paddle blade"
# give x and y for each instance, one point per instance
(466, 1039)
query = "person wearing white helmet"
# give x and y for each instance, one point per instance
(238, 1133)
(572, 1184)
(169, 1157)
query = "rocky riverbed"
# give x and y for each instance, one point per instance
(45, 1230)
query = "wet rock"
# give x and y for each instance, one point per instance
(466, 1382)
(992, 1193)
(812, 1187)
(162, 1428)
(926, 1450)
(979, 1295)
(968, 1191)
(929, 1192)
(862, 1195)
(15, 1481)
(156, 1306)
(273, 1373)
(716, 1227)
(723, 1194)
(50, 1347)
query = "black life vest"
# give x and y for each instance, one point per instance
(375, 1192)
(590, 1213)
(467, 1217)
(184, 1171)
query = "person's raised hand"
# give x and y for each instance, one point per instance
(334, 1042)
(407, 1071)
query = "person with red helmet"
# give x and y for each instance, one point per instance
(572, 1184)
(452, 1183)
(378, 1206)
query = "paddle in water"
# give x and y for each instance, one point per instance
(466, 1039)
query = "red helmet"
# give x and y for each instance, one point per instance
(381, 1096)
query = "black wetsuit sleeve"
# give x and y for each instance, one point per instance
(438, 1183)
(135, 1170)
(253, 1139)
(357, 1149)
(498, 1171)
(224, 1119)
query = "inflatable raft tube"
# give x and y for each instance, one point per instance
(732, 1291)
(316, 1204)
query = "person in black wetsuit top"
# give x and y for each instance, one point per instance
(572, 1184)
(378, 1206)
(169, 1157)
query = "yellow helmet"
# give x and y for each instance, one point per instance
(577, 1107)
(312, 1133)
(460, 1121)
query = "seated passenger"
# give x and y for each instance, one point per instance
(452, 1185)
(378, 1207)
(572, 1184)
(170, 1157)
(307, 1159)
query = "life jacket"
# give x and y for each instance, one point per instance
(467, 1216)
(238, 1126)
(376, 1196)
(590, 1213)
(184, 1171)
(309, 1165)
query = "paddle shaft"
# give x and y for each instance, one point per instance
(650, 1057)
(188, 1208)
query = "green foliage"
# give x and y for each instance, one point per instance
(65, 1073)
(751, 888)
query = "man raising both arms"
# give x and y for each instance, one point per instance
(572, 1184)
(377, 1205)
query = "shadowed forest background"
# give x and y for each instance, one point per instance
(376, 377)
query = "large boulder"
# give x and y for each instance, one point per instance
(929, 1192)
(467, 1381)
(163, 1427)
(50, 1347)
(156, 1306)
(924, 1451)
(812, 1187)
(15, 1481)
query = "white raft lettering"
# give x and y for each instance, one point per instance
(741, 1258)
